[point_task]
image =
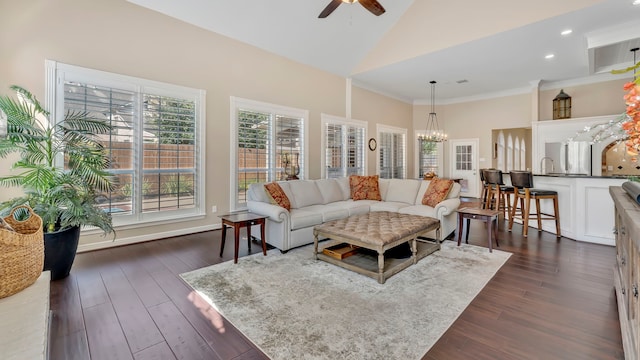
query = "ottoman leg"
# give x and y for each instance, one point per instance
(414, 249)
(381, 267)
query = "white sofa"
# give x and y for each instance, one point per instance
(316, 201)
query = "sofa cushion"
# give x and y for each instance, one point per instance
(455, 191)
(422, 210)
(383, 184)
(354, 207)
(364, 187)
(305, 192)
(392, 206)
(257, 192)
(301, 218)
(343, 182)
(402, 190)
(437, 191)
(330, 190)
(277, 195)
(329, 211)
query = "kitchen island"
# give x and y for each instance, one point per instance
(586, 208)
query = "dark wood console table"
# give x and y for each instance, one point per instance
(626, 272)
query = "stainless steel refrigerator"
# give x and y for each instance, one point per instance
(571, 158)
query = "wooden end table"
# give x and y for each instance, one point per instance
(489, 216)
(238, 221)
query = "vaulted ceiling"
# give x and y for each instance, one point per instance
(473, 49)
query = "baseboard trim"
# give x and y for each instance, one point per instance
(146, 237)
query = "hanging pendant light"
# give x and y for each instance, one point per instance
(433, 133)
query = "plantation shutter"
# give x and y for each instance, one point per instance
(356, 151)
(117, 106)
(392, 155)
(169, 153)
(267, 141)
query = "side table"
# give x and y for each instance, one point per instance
(489, 216)
(238, 221)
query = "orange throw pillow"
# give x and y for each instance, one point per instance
(364, 187)
(437, 191)
(277, 195)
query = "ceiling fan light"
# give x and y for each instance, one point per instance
(349, 1)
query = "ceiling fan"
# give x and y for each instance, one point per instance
(372, 5)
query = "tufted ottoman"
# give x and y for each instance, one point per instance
(378, 231)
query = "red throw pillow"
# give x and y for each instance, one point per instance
(277, 195)
(437, 191)
(364, 187)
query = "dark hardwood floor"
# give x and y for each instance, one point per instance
(553, 299)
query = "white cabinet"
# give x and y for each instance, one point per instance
(585, 207)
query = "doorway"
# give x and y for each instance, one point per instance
(464, 165)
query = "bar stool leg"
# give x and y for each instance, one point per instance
(556, 212)
(513, 208)
(539, 213)
(527, 208)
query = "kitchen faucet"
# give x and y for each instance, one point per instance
(542, 170)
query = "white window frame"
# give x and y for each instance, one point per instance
(56, 75)
(416, 157)
(392, 130)
(237, 103)
(325, 120)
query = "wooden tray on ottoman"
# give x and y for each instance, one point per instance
(340, 251)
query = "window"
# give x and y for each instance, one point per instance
(268, 143)
(516, 154)
(523, 153)
(464, 157)
(392, 152)
(509, 153)
(429, 157)
(501, 151)
(343, 146)
(155, 145)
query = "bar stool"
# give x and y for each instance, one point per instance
(522, 182)
(485, 188)
(499, 194)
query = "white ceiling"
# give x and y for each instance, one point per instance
(494, 61)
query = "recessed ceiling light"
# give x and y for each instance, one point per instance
(636, 2)
(549, 56)
(569, 31)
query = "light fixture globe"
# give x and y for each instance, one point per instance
(433, 133)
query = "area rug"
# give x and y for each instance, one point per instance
(295, 307)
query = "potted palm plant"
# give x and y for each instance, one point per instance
(61, 169)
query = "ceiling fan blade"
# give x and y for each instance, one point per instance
(373, 6)
(329, 9)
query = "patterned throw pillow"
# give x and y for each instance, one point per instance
(364, 187)
(277, 195)
(437, 191)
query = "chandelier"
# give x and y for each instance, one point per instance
(433, 132)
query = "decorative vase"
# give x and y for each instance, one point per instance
(60, 251)
(292, 169)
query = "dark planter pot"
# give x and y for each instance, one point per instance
(60, 251)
